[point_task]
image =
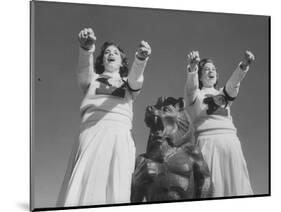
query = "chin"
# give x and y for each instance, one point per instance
(212, 82)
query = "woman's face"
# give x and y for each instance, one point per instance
(112, 59)
(209, 75)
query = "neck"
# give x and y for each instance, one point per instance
(114, 74)
(208, 87)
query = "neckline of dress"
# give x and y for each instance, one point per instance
(209, 90)
(115, 76)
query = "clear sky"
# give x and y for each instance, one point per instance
(171, 34)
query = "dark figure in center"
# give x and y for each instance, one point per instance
(172, 168)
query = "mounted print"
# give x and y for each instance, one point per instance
(139, 105)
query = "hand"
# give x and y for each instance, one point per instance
(249, 57)
(87, 38)
(192, 60)
(143, 51)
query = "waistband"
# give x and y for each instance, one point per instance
(215, 132)
(111, 119)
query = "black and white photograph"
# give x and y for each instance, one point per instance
(142, 105)
(200, 85)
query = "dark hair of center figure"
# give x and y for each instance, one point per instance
(99, 67)
(200, 69)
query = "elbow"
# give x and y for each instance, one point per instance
(135, 82)
(84, 87)
(231, 90)
(83, 83)
(189, 98)
(191, 89)
(190, 94)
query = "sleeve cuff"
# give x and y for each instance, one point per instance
(131, 89)
(139, 61)
(243, 70)
(85, 51)
(192, 72)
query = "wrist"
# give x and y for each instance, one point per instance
(90, 49)
(191, 68)
(140, 57)
(243, 66)
(85, 48)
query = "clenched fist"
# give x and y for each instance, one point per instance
(87, 39)
(192, 60)
(143, 51)
(247, 60)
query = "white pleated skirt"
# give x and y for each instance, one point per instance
(101, 171)
(225, 159)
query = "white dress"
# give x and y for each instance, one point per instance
(216, 134)
(103, 160)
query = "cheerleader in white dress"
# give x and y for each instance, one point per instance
(101, 169)
(216, 135)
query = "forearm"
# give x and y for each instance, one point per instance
(233, 84)
(85, 69)
(191, 85)
(135, 77)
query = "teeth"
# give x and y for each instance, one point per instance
(111, 59)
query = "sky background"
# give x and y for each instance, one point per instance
(171, 34)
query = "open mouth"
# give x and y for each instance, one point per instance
(211, 76)
(111, 59)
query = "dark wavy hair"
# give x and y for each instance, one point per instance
(99, 67)
(200, 68)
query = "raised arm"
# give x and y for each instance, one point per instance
(85, 69)
(233, 84)
(192, 84)
(135, 77)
